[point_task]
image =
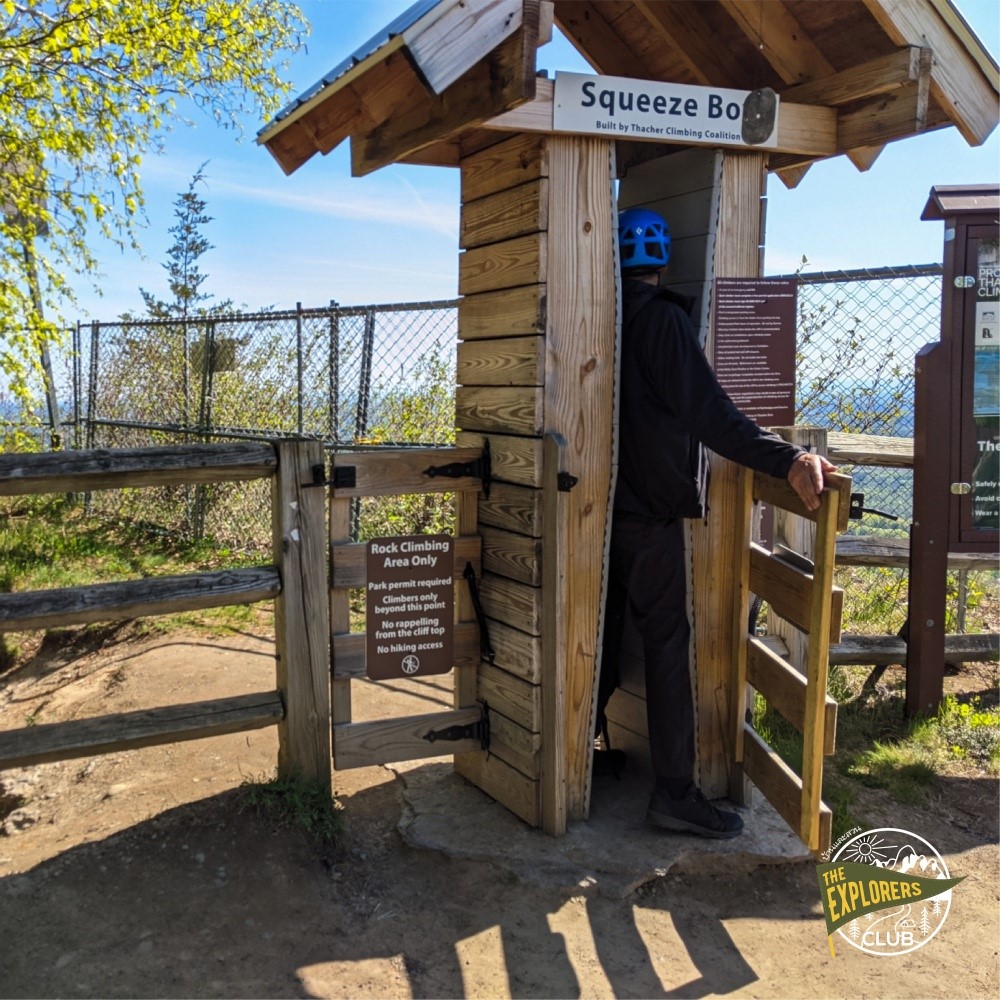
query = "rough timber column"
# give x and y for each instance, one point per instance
(737, 255)
(579, 391)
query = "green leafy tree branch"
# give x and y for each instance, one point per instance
(88, 88)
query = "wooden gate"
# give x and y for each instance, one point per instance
(801, 591)
(397, 473)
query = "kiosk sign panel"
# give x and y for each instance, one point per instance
(409, 606)
(754, 356)
(985, 480)
(620, 107)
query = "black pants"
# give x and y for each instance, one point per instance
(647, 572)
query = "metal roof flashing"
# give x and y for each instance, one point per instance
(407, 19)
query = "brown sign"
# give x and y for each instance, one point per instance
(755, 346)
(410, 606)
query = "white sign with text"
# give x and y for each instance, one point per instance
(622, 108)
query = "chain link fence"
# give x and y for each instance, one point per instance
(356, 377)
(384, 375)
(858, 334)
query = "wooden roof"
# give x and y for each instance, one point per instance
(947, 200)
(852, 74)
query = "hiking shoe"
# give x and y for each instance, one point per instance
(609, 762)
(692, 813)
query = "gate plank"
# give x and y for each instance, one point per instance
(785, 690)
(782, 787)
(789, 590)
(349, 650)
(350, 565)
(361, 744)
(779, 493)
(392, 473)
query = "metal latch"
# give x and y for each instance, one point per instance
(319, 477)
(485, 646)
(478, 730)
(479, 468)
(961, 489)
(858, 508)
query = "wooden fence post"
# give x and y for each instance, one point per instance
(929, 534)
(301, 613)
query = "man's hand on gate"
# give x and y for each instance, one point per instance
(806, 478)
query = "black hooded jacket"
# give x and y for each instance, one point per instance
(671, 405)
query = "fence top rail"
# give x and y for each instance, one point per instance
(865, 274)
(102, 468)
(333, 311)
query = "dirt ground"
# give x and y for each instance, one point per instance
(137, 874)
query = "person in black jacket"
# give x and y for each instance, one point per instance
(671, 407)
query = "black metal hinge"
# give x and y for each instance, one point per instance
(478, 730)
(480, 468)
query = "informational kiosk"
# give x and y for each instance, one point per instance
(956, 474)
(689, 107)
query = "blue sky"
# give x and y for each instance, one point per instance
(393, 236)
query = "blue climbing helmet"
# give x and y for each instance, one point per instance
(643, 239)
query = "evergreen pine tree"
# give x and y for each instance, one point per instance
(185, 278)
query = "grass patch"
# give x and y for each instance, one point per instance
(293, 804)
(48, 542)
(878, 747)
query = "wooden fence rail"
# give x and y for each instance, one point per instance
(296, 582)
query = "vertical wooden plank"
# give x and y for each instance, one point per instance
(717, 538)
(737, 692)
(798, 534)
(302, 637)
(340, 612)
(552, 783)
(817, 668)
(579, 387)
